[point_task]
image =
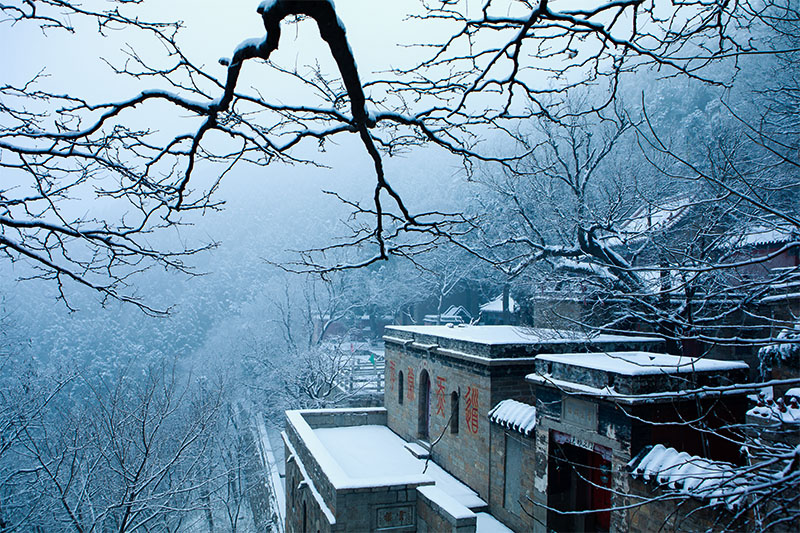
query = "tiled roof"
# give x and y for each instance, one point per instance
(514, 415)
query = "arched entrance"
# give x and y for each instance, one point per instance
(424, 412)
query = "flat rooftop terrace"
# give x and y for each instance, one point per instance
(642, 363)
(632, 376)
(351, 462)
(499, 335)
(375, 452)
(493, 344)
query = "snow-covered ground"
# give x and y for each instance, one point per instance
(489, 524)
(370, 452)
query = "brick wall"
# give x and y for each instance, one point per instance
(463, 454)
(378, 508)
(520, 521)
(354, 508)
(671, 515)
(608, 429)
(299, 501)
(433, 517)
(302, 507)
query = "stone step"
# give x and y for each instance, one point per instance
(418, 449)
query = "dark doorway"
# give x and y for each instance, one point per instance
(424, 414)
(578, 481)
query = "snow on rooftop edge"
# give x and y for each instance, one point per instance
(496, 305)
(642, 363)
(514, 415)
(498, 335)
(692, 475)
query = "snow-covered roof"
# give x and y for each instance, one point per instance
(650, 218)
(691, 475)
(586, 266)
(761, 235)
(454, 314)
(607, 392)
(656, 217)
(496, 305)
(515, 335)
(514, 415)
(773, 412)
(642, 363)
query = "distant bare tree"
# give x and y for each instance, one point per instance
(112, 453)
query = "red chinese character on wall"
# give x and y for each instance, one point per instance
(392, 375)
(410, 380)
(440, 395)
(471, 410)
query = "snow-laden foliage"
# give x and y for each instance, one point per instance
(785, 352)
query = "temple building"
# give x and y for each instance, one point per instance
(503, 428)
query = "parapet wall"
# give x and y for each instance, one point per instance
(330, 418)
(320, 495)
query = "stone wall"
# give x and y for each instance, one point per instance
(315, 503)
(587, 425)
(437, 516)
(522, 519)
(668, 514)
(309, 470)
(508, 382)
(392, 507)
(303, 510)
(590, 424)
(464, 454)
(337, 418)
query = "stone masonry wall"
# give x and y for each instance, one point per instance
(464, 454)
(434, 519)
(663, 514)
(312, 468)
(378, 508)
(518, 521)
(604, 428)
(371, 508)
(509, 382)
(300, 500)
(337, 418)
